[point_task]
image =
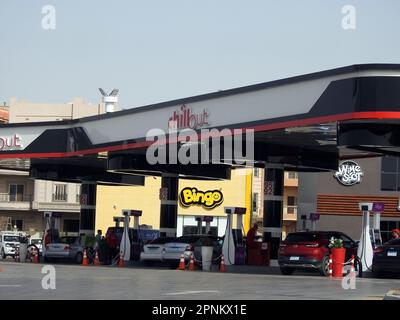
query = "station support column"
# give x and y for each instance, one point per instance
(273, 207)
(88, 208)
(169, 205)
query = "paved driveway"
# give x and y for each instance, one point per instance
(24, 281)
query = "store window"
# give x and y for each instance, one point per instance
(60, 192)
(71, 225)
(386, 229)
(390, 174)
(16, 192)
(194, 230)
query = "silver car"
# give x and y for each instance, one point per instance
(68, 248)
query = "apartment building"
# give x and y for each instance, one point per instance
(290, 192)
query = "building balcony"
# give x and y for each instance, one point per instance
(290, 213)
(15, 201)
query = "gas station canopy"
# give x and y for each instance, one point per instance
(306, 122)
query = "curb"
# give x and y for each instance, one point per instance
(392, 295)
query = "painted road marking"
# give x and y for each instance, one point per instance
(190, 292)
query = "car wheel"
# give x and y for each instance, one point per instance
(324, 269)
(3, 255)
(79, 258)
(287, 271)
(358, 267)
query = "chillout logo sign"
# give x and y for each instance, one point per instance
(207, 199)
(10, 143)
(185, 118)
(349, 173)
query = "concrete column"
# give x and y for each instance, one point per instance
(273, 207)
(88, 208)
(169, 206)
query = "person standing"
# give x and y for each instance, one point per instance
(395, 234)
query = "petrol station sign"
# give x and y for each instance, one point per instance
(207, 199)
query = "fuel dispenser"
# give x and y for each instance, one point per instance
(200, 220)
(130, 242)
(370, 235)
(233, 247)
(125, 244)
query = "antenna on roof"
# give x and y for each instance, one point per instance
(110, 100)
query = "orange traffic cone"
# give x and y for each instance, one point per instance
(96, 261)
(222, 267)
(85, 261)
(182, 265)
(192, 267)
(121, 263)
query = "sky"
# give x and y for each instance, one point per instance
(159, 50)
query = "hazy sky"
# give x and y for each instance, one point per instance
(157, 50)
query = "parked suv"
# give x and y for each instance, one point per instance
(9, 241)
(310, 250)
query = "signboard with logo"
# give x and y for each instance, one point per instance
(314, 216)
(378, 207)
(185, 117)
(349, 173)
(207, 199)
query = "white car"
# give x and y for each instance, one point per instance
(9, 241)
(189, 245)
(154, 250)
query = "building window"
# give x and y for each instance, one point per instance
(60, 192)
(390, 174)
(16, 192)
(291, 204)
(292, 175)
(256, 172)
(255, 202)
(291, 201)
(17, 223)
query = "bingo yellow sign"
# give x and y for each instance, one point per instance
(207, 199)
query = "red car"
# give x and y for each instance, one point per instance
(310, 250)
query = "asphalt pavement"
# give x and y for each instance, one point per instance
(35, 281)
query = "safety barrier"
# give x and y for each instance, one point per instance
(350, 262)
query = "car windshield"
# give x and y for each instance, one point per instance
(67, 240)
(187, 239)
(11, 238)
(302, 237)
(393, 242)
(161, 240)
